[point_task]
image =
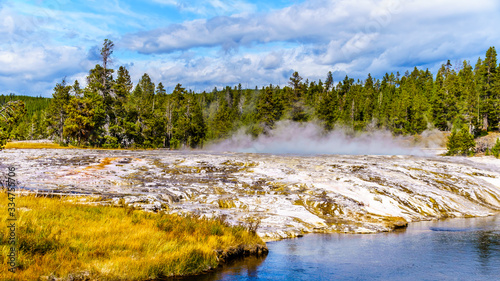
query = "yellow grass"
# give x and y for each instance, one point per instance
(57, 238)
(40, 145)
(34, 145)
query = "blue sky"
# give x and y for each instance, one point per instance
(203, 44)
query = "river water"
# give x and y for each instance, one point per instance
(454, 249)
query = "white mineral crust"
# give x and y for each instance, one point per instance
(289, 195)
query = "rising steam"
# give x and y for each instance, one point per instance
(295, 138)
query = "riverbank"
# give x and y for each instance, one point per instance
(71, 238)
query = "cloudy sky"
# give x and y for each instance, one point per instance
(202, 44)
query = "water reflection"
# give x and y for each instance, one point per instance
(243, 268)
(456, 249)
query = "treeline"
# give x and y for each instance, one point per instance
(12, 110)
(30, 124)
(111, 112)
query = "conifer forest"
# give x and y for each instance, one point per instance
(113, 112)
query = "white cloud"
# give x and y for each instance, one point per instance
(351, 25)
(347, 37)
(272, 60)
(249, 69)
(42, 43)
(234, 43)
(34, 70)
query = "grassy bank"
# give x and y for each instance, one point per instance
(53, 145)
(34, 145)
(62, 239)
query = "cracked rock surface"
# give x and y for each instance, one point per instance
(284, 195)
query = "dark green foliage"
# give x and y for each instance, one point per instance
(113, 113)
(496, 149)
(84, 114)
(461, 143)
(31, 125)
(10, 114)
(56, 112)
(270, 105)
(295, 83)
(327, 109)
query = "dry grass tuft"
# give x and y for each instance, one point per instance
(60, 239)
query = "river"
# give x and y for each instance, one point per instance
(453, 249)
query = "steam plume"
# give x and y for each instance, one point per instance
(295, 138)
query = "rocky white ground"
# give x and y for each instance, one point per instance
(289, 195)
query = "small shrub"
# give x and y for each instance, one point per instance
(461, 143)
(252, 224)
(496, 149)
(110, 142)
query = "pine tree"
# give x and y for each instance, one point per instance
(268, 108)
(486, 81)
(81, 118)
(57, 113)
(328, 81)
(117, 111)
(106, 52)
(222, 122)
(469, 103)
(461, 143)
(495, 150)
(180, 120)
(295, 83)
(327, 110)
(439, 108)
(197, 130)
(10, 114)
